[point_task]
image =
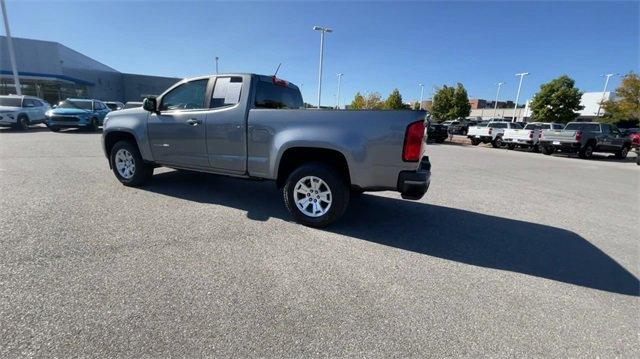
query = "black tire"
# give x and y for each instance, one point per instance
(511, 146)
(93, 126)
(547, 150)
(356, 193)
(22, 123)
(638, 158)
(586, 152)
(622, 153)
(535, 148)
(440, 140)
(142, 172)
(475, 141)
(53, 128)
(337, 185)
(497, 142)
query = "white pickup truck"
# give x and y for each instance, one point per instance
(491, 133)
(528, 137)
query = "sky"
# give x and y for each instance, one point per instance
(378, 46)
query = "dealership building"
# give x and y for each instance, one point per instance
(54, 72)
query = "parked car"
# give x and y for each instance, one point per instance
(634, 136)
(475, 130)
(491, 133)
(132, 104)
(254, 126)
(529, 136)
(437, 132)
(114, 105)
(22, 111)
(457, 127)
(585, 138)
(77, 113)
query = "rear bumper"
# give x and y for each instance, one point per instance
(414, 184)
(517, 141)
(562, 145)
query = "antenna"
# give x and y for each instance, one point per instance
(277, 69)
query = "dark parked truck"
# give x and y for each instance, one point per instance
(253, 126)
(585, 138)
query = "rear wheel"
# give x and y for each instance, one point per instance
(315, 195)
(535, 148)
(547, 150)
(475, 141)
(22, 123)
(128, 165)
(497, 142)
(586, 152)
(511, 146)
(93, 126)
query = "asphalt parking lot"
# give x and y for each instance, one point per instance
(509, 254)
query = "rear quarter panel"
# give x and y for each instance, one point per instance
(370, 141)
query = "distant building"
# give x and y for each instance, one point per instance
(54, 72)
(590, 101)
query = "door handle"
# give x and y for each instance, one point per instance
(194, 122)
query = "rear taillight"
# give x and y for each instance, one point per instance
(541, 135)
(413, 142)
(578, 135)
(490, 130)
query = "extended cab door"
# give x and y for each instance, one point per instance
(226, 125)
(177, 133)
(616, 138)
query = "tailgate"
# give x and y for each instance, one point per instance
(559, 135)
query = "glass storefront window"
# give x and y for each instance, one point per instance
(52, 91)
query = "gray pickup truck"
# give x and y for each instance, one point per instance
(254, 126)
(585, 138)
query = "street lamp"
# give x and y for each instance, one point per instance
(338, 95)
(421, 93)
(322, 30)
(606, 83)
(515, 107)
(12, 55)
(495, 106)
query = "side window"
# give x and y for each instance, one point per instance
(187, 96)
(28, 103)
(614, 130)
(606, 129)
(96, 106)
(226, 92)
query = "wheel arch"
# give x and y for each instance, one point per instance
(113, 137)
(293, 157)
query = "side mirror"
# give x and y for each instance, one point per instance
(150, 104)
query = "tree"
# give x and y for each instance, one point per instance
(624, 110)
(416, 105)
(372, 101)
(557, 101)
(394, 101)
(450, 103)
(358, 102)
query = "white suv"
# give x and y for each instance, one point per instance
(22, 111)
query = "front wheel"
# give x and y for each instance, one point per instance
(315, 195)
(128, 166)
(622, 153)
(497, 142)
(511, 146)
(93, 125)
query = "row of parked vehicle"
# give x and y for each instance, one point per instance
(21, 111)
(583, 138)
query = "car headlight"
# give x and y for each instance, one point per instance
(49, 113)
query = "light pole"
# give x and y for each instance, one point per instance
(515, 107)
(12, 55)
(322, 30)
(606, 83)
(495, 105)
(421, 93)
(217, 65)
(338, 95)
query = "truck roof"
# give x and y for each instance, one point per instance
(265, 78)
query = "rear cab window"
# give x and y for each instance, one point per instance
(226, 92)
(586, 127)
(275, 96)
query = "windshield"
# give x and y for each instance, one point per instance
(79, 104)
(11, 101)
(586, 127)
